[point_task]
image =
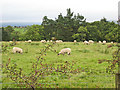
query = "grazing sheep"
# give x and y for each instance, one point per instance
(86, 42)
(17, 50)
(66, 50)
(91, 41)
(29, 41)
(104, 42)
(43, 41)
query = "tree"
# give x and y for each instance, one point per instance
(63, 27)
(82, 33)
(6, 33)
(34, 32)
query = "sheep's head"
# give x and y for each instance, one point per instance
(59, 53)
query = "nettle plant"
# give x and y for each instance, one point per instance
(40, 70)
(114, 62)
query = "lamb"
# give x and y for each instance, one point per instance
(16, 49)
(65, 50)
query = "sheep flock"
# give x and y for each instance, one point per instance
(64, 50)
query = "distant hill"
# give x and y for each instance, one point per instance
(4, 24)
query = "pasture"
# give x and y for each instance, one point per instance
(85, 57)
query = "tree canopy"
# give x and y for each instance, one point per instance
(67, 28)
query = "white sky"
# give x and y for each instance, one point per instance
(35, 10)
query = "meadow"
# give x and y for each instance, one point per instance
(91, 75)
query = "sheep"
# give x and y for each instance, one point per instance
(29, 41)
(43, 41)
(100, 42)
(91, 41)
(65, 50)
(26, 41)
(75, 41)
(16, 49)
(50, 40)
(112, 42)
(10, 41)
(86, 42)
(58, 41)
(104, 42)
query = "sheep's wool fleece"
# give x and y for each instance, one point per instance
(17, 49)
(65, 50)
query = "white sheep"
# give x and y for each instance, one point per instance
(10, 41)
(99, 42)
(112, 42)
(58, 41)
(104, 42)
(43, 41)
(50, 40)
(65, 50)
(75, 41)
(29, 41)
(91, 41)
(86, 42)
(17, 50)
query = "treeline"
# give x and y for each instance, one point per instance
(67, 28)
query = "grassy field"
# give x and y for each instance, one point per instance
(84, 56)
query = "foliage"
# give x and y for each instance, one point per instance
(82, 59)
(114, 62)
(34, 32)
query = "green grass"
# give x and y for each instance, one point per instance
(85, 56)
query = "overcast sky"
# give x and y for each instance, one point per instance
(35, 10)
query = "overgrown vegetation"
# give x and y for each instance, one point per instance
(41, 67)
